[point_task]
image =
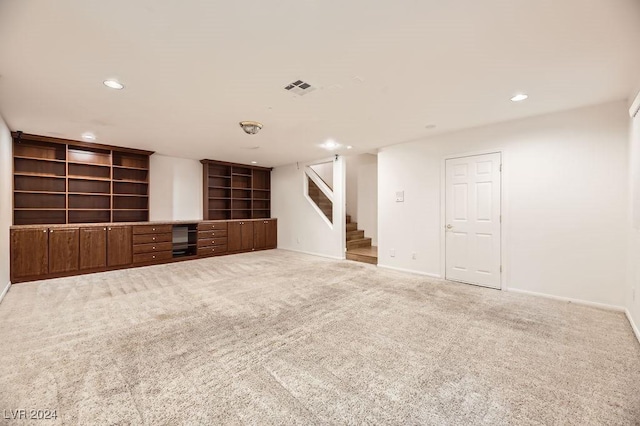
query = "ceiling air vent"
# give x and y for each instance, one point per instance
(300, 88)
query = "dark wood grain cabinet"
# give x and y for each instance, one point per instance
(93, 247)
(240, 236)
(29, 252)
(64, 250)
(265, 234)
(119, 246)
(50, 251)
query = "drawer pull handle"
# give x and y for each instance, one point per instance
(154, 238)
(154, 256)
(154, 247)
(154, 229)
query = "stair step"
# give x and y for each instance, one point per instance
(348, 218)
(355, 235)
(362, 258)
(362, 242)
(352, 226)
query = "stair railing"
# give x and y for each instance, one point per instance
(323, 197)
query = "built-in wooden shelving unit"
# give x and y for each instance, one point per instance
(58, 181)
(235, 191)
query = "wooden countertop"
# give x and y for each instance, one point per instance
(88, 225)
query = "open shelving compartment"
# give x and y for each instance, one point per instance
(59, 181)
(235, 191)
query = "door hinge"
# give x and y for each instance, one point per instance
(500, 167)
(500, 268)
(500, 218)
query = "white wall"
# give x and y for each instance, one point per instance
(6, 187)
(632, 293)
(325, 171)
(175, 188)
(300, 227)
(368, 197)
(564, 201)
(362, 193)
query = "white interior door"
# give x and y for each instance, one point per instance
(473, 219)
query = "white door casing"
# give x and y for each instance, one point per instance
(472, 220)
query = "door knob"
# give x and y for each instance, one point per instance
(449, 226)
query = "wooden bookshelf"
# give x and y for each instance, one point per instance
(59, 181)
(235, 191)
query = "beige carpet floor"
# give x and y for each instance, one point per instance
(283, 338)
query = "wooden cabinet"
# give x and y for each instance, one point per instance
(271, 233)
(265, 234)
(64, 250)
(240, 236)
(212, 238)
(60, 250)
(119, 245)
(235, 191)
(58, 181)
(152, 243)
(93, 247)
(29, 252)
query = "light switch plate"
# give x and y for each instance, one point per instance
(399, 196)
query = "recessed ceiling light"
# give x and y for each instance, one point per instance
(330, 144)
(254, 162)
(113, 84)
(349, 147)
(519, 97)
(88, 136)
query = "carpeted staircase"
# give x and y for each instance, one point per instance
(359, 247)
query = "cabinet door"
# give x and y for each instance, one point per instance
(271, 231)
(29, 252)
(93, 247)
(119, 246)
(247, 235)
(234, 236)
(259, 234)
(64, 250)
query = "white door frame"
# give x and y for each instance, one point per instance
(443, 210)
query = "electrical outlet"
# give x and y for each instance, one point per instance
(413, 255)
(392, 252)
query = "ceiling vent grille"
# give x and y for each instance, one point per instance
(300, 88)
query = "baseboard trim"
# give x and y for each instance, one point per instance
(314, 254)
(569, 299)
(634, 327)
(410, 271)
(4, 292)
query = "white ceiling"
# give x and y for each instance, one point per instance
(384, 69)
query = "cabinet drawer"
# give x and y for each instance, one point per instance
(210, 251)
(152, 238)
(212, 234)
(151, 229)
(206, 226)
(212, 242)
(151, 247)
(151, 257)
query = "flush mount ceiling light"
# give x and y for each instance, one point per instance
(251, 127)
(88, 136)
(113, 84)
(519, 97)
(254, 162)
